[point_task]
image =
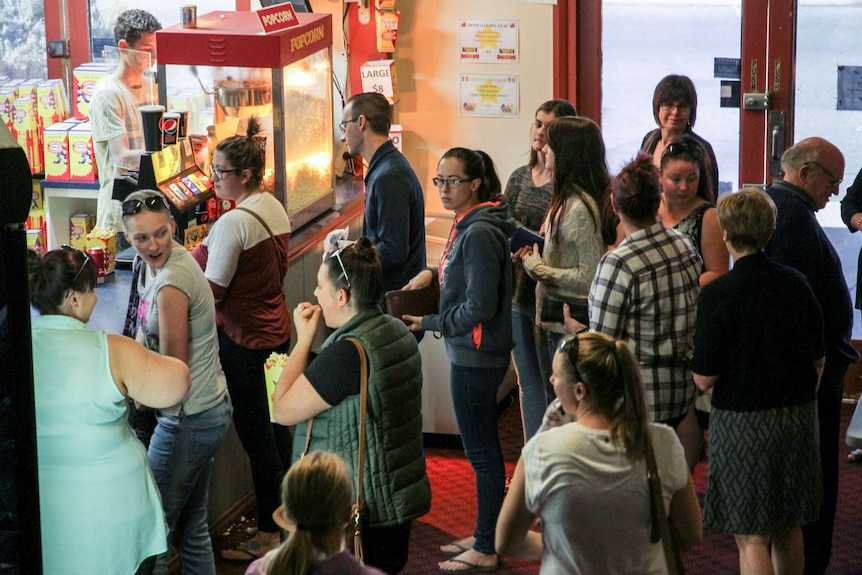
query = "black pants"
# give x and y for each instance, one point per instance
(818, 535)
(267, 445)
(385, 547)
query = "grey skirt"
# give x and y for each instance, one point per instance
(764, 470)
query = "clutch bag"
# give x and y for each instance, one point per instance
(419, 302)
(552, 310)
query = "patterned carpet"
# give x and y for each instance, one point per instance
(454, 513)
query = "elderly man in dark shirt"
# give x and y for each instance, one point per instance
(813, 170)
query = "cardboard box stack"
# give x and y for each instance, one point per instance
(37, 233)
(26, 107)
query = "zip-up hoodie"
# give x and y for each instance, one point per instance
(476, 288)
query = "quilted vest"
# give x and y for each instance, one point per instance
(396, 485)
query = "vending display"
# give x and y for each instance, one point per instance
(227, 69)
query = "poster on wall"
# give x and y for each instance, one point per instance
(488, 41)
(489, 95)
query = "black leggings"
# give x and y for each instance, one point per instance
(267, 445)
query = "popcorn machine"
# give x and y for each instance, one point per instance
(227, 69)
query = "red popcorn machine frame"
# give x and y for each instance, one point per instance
(227, 69)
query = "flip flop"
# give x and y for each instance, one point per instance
(471, 567)
(457, 545)
(246, 551)
(854, 456)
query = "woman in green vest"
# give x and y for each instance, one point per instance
(319, 393)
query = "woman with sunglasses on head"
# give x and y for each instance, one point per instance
(587, 480)
(579, 224)
(687, 206)
(176, 318)
(320, 394)
(528, 194)
(100, 507)
(645, 293)
(674, 107)
(475, 278)
(245, 260)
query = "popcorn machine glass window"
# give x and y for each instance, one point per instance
(226, 70)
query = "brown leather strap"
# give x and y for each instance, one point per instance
(281, 256)
(660, 524)
(363, 412)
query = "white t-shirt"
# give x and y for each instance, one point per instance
(594, 503)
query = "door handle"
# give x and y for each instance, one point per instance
(776, 121)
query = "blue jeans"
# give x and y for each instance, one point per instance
(181, 455)
(474, 397)
(531, 384)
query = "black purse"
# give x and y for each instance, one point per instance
(552, 309)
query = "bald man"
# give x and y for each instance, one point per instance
(813, 170)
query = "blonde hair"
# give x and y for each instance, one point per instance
(748, 219)
(612, 379)
(317, 494)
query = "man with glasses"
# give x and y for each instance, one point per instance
(117, 133)
(813, 170)
(394, 203)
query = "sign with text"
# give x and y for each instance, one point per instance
(488, 41)
(277, 18)
(489, 95)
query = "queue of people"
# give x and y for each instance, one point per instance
(658, 315)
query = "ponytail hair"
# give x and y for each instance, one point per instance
(478, 165)
(612, 379)
(317, 494)
(247, 152)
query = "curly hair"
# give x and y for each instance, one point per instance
(132, 24)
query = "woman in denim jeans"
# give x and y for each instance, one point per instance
(176, 317)
(475, 277)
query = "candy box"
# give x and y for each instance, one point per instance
(25, 128)
(36, 241)
(56, 146)
(79, 226)
(82, 158)
(84, 79)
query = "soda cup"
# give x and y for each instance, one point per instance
(189, 16)
(151, 121)
(183, 129)
(97, 254)
(170, 128)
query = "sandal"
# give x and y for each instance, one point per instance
(458, 548)
(854, 456)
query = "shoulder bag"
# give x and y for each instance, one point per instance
(658, 516)
(363, 412)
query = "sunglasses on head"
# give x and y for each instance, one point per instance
(337, 255)
(152, 203)
(84, 255)
(682, 148)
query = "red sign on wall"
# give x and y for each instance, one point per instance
(277, 18)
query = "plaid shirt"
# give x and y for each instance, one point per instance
(645, 293)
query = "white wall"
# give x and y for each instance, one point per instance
(428, 71)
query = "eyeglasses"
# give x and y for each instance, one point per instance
(682, 148)
(152, 203)
(86, 257)
(441, 182)
(680, 106)
(833, 181)
(337, 255)
(343, 125)
(218, 172)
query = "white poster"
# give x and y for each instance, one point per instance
(489, 95)
(488, 41)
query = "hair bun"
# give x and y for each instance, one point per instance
(365, 249)
(253, 128)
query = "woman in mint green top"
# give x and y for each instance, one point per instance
(100, 508)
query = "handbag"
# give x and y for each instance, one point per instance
(418, 302)
(552, 309)
(356, 518)
(658, 516)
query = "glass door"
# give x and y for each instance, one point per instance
(642, 42)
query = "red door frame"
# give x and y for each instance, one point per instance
(78, 15)
(767, 53)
